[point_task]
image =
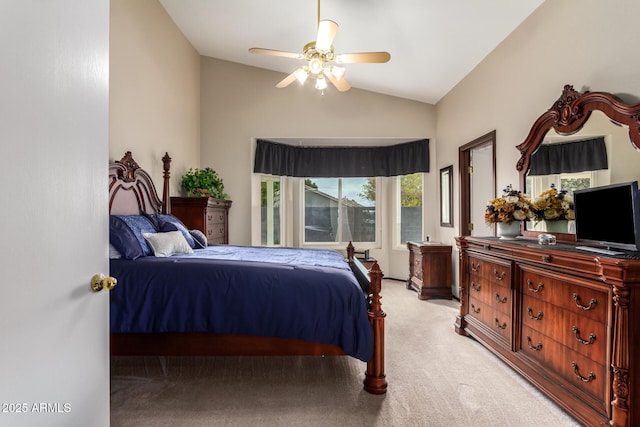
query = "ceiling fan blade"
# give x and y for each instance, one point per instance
(289, 79)
(327, 30)
(369, 57)
(262, 51)
(340, 83)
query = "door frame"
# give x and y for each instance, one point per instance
(464, 164)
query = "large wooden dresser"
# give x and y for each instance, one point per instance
(566, 319)
(211, 216)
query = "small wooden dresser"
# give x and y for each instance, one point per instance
(211, 216)
(430, 269)
(567, 320)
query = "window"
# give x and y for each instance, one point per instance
(340, 210)
(409, 190)
(270, 211)
(565, 181)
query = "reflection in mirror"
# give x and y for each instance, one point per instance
(593, 171)
(578, 117)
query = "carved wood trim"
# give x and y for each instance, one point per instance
(568, 115)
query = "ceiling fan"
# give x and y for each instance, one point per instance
(321, 59)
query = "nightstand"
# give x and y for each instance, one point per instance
(430, 269)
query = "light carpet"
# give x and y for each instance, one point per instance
(436, 378)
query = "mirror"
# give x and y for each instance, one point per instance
(446, 196)
(575, 117)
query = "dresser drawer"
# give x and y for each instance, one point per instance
(215, 231)
(215, 216)
(574, 369)
(495, 320)
(494, 272)
(583, 335)
(492, 294)
(579, 299)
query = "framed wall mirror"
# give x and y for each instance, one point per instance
(575, 121)
(446, 196)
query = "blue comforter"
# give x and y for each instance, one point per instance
(290, 293)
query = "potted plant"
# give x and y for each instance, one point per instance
(507, 211)
(555, 208)
(203, 183)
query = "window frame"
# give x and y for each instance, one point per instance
(339, 244)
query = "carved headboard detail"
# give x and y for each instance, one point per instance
(132, 191)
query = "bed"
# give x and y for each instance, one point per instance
(231, 300)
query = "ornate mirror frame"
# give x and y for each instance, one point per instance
(567, 116)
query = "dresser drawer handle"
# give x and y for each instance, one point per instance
(474, 309)
(538, 346)
(590, 377)
(475, 287)
(531, 316)
(499, 276)
(475, 267)
(500, 326)
(546, 258)
(592, 303)
(500, 300)
(532, 289)
(576, 333)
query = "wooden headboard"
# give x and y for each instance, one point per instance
(131, 189)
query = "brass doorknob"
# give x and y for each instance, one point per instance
(100, 282)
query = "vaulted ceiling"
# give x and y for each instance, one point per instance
(434, 44)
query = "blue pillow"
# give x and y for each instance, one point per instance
(159, 224)
(166, 221)
(199, 238)
(125, 234)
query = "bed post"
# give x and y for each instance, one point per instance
(166, 198)
(375, 379)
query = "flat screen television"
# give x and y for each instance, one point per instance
(608, 216)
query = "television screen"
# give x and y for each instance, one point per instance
(608, 216)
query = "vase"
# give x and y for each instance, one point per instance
(509, 231)
(557, 226)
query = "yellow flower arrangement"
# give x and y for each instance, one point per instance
(511, 206)
(552, 205)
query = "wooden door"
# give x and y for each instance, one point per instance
(54, 347)
(477, 164)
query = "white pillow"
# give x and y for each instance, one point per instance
(167, 244)
(113, 252)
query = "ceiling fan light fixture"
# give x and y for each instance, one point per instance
(301, 74)
(321, 83)
(316, 65)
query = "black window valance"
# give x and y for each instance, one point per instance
(569, 157)
(326, 162)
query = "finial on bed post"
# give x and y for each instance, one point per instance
(350, 252)
(166, 198)
(375, 379)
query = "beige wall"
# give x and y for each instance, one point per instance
(588, 44)
(162, 101)
(240, 103)
(154, 93)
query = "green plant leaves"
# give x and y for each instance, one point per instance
(203, 182)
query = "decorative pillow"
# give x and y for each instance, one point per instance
(163, 219)
(125, 234)
(114, 253)
(159, 224)
(167, 244)
(199, 238)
